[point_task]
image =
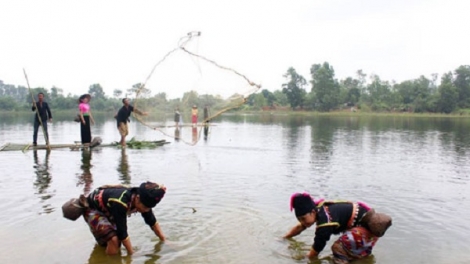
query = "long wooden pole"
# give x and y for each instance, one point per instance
(37, 111)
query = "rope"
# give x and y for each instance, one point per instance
(238, 100)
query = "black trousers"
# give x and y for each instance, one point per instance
(85, 130)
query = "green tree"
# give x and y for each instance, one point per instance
(190, 98)
(139, 90)
(352, 90)
(415, 93)
(117, 93)
(56, 92)
(380, 94)
(294, 88)
(448, 94)
(96, 91)
(269, 96)
(2, 93)
(324, 87)
(259, 101)
(281, 98)
(462, 83)
(7, 103)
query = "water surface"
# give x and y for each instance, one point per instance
(239, 180)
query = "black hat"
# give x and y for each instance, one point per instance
(83, 96)
(302, 203)
(150, 194)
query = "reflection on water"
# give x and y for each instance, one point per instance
(206, 132)
(194, 134)
(43, 178)
(123, 168)
(86, 178)
(177, 133)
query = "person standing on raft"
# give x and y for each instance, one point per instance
(122, 117)
(43, 112)
(86, 119)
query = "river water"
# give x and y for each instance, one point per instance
(228, 195)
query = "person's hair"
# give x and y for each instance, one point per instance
(302, 203)
(40, 93)
(124, 99)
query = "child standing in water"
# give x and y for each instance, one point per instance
(360, 226)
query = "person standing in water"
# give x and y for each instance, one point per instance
(122, 117)
(177, 116)
(43, 112)
(194, 113)
(206, 114)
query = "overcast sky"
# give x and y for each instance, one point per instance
(73, 44)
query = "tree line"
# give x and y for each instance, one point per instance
(323, 92)
(19, 98)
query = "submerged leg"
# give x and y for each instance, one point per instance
(113, 246)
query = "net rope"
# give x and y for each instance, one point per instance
(235, 101)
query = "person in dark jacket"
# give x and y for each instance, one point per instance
(122, 117)
(44, 112)
(177, 117)
(358, 235)
(108, 207)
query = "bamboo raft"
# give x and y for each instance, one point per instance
(78, 145)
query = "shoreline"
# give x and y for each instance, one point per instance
(340, 113)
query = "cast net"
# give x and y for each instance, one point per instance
(186, 92)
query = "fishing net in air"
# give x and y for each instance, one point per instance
(184, 84)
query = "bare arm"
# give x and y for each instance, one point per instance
(295, 231)
(312, 253)
(158, 231)
(128, 245)
(140, 112)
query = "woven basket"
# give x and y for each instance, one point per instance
(72, 210)
(377, 223)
